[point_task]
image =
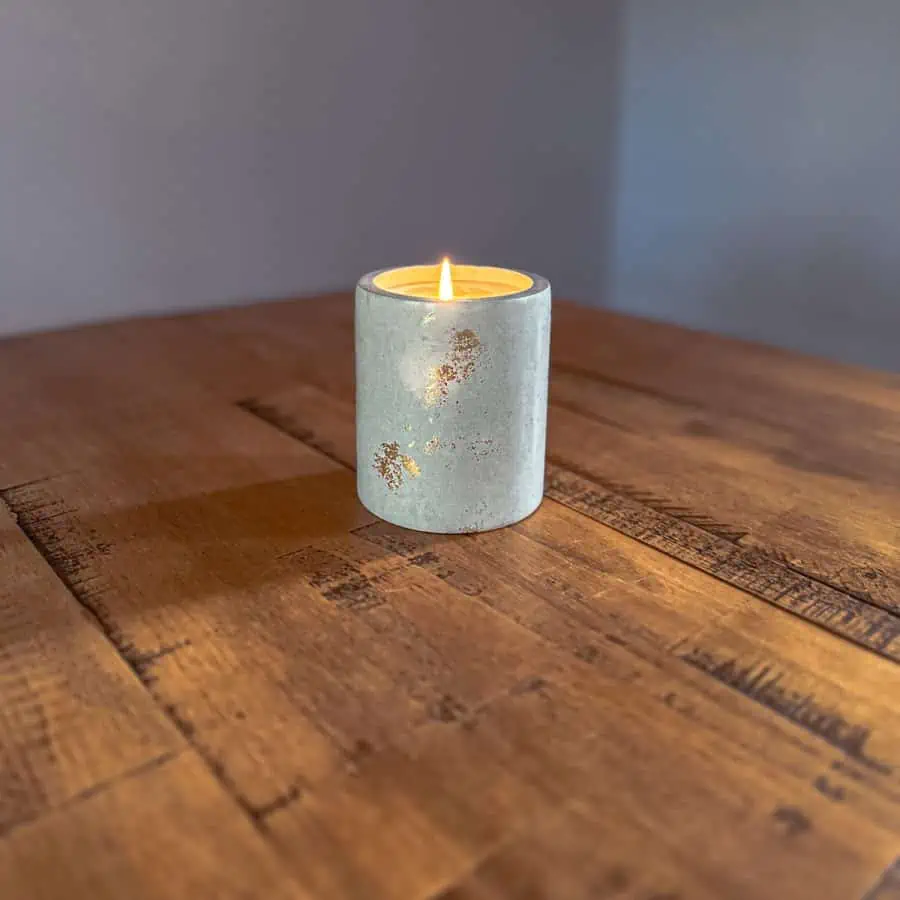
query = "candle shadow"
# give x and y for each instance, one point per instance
(181, 551)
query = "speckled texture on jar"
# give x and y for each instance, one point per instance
(451, 407)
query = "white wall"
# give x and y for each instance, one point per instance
(162, 154)
(759, 171)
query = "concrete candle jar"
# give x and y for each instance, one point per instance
(451, 395)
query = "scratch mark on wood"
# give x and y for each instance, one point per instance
(682, 513)
(36, 481)
(293, 793)
(339, 581)
(447, 709)
(863, 596)
(693, 539)
(420, 550)
(750, 570)
(97, 788)
(529, 686)
(841, 765)
(793, 821)
(49, 526)
(760, 682)
(143, 663)
(830, 790)
(70, 550)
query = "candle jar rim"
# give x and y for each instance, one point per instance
(538, 285)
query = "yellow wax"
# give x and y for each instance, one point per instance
(469, 282)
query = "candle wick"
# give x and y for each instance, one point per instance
(445, 288)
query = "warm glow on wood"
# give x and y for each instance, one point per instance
(445, 291)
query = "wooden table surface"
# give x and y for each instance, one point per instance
(220, 677)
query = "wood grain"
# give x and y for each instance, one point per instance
(677, 680)
(164, 832)
(71, 714)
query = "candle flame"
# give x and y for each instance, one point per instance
(445, 291)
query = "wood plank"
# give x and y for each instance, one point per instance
(812, 501)
(758, 382)
(164, 832)
(845, 534)
(682, 533)
(621, 632)
(248, 350)
(662, 609)
(72, 715)
(456, 561)
(769, 579)
(691, 616)
(580, 854)
(72, 382)
(219, 502)
(469, 785)
(307, 655)
(560, 707)
(733, 437)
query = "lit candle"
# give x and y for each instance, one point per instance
(451, 395)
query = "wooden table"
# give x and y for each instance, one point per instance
(220, 677)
